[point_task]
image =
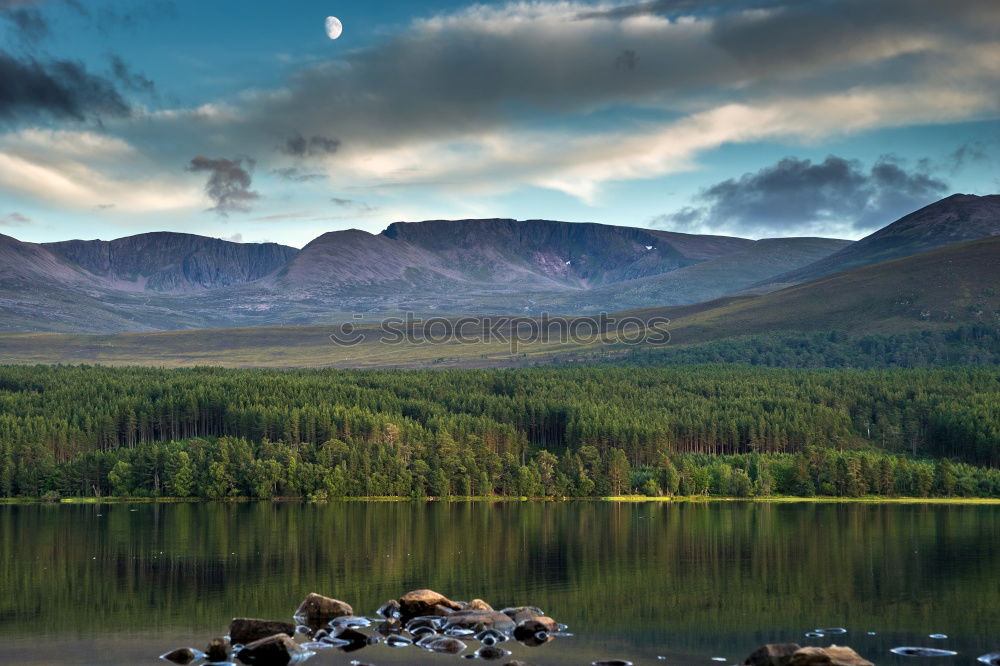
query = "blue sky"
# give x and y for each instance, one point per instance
(243, 120)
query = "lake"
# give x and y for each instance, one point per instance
(654, 583)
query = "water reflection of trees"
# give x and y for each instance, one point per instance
(672, 570)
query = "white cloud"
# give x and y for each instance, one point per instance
(87, 170)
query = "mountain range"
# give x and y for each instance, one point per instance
(171, 281)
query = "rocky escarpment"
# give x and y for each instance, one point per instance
(172, 262)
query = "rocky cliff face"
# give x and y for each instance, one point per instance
(171, 262)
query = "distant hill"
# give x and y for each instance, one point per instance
(938, 291)
(164, 281)
(955, 219)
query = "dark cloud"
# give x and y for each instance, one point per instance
(299, 146)
(797, 195)
(62, 88)
(359, 206)
(130, 79)
(228, 182)
(627, 59)
(28, 23)
(296, 175)
(14, 220)
(971, 151)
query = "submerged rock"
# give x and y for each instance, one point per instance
(217, 651)
(244, 630)
(277, 650)
(181, 656)
(611, 662)
(829, 656)
(316, 610)
(992, 659)
(773, 654)
(423, 602)
(353, 639)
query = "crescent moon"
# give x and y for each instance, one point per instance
(334, 28)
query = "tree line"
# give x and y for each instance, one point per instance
(691, 430)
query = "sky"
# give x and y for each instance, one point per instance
(244, 120)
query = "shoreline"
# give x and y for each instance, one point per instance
(624, 499)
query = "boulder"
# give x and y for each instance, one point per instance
(446, 645)
(316, 610)
(476, 619)
(422, 602)
(277, 650)
(355, 639)
(528, 611)
(491, 652)
(834, 655)
(217, 651)
(478, 604)
(243, 630)
(533, 625)
(181, 656)
(389, 609)
(773, 654)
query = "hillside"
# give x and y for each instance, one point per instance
(939, 290)
(167, 281)
(955, 219)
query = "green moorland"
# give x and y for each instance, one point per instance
(711, 431)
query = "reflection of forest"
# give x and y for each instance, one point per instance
(650, 570)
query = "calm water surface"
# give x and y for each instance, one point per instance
(121, 584)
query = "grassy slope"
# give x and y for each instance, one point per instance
(943, 288)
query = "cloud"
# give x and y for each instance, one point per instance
(83, 170)
(797, 196)
(14, 219)
(29, 24)
(968, 152)
(228, 182)
(235, 238)
(299, 146)
(296, 175)
(61, 88)
(360, 207)
(494, 97)
(131, 80)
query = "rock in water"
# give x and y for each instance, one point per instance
(243, 630)
(181, 656)
(474, 619)
(389, 609)
(277, 650)
(422, 602)
(518, 613)
(491, 652)
(217, 651)
(316, 610)
(829, 656)
(773, 654)
(446, 645)
(478, 604)
(531, 626)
